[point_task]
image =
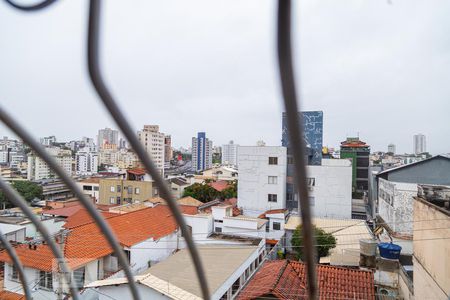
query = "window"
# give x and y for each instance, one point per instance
(78, 275)
(218, 229)
(14, 273)
(137, 190)
(87, 188)
(118, 200)
(112, 200)
(290, 160)
(289, 196)
(272, 197)
(311, 181)
(273, 160)
(118, 189)
(273, 180)
(276, 226)
(46, 280)
(95, 188)
(113, 189)
(267, 226)
(130, 190)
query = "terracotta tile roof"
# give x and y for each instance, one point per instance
(137, 171)
(231, 201)
(272, 211)
(86, 242)
(284, 279)
(63, 212)
(189, 201)
(91, 180)
(82, 217)
(219, 185)
(6, 295)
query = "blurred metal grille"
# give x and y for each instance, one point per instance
(295, 135)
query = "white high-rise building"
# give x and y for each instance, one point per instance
(201, 152)
(153, 142)
(420, 144)
(229, 154)
(86, 162)
(48, 140)
(391, 148)
(262, 178)
(107, 136)
(38, 169)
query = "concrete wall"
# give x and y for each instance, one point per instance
(254, 170)
(201, 225)
(395, 205)
(331, 195)
(431, 256)
(432, 171)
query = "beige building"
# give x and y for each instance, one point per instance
(38, 168)
(431, 241)
(154, 143)
(120, 191)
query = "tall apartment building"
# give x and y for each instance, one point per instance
(313, 137)
(48, 140)
(420, 144)
(391, 148)
(229, 154)
(359, 152)
(201, 152)
(262, 179)
(153, 142)
(168, 152)
(38, 169)
(107, 136)
(86, 162)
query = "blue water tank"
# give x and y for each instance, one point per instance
(389, 250)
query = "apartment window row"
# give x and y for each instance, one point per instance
(129, 189)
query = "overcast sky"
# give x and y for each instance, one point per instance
(377, 68)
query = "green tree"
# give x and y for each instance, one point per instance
(29, 190)
(230, 191)
(201, 191)
(324, 241)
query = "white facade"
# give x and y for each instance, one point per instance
(395, 204)
(229, 154)
(48, 140)
(107, 136)
(262, 179)
(153, 142)
(38, 169)
(420, 144)
(330, 188)
(86, 162)
(391, 148)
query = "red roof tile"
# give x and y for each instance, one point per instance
(219, 185)
(86, 242)
(6, 295)
(284, 279)
(137, 171)
(63, 212)
(272, 211)
(82, 217)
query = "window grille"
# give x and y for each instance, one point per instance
(295, 132)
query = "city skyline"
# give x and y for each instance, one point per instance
(353, 95)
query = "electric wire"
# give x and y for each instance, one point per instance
(114, 110)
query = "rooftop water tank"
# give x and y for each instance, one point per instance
(368, 247)
(389, 250)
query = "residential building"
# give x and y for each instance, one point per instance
(215, 173)
(285, 279)
(201, 152)
(398, 186)
(177, 185)
(91, 188)
(229, 154)
(175, 278)
(431, 259)
(107, 136)
(86, 162)
(262, 179)
(147, 236)
(391, 148)
(168, 151)
(38, 169)
(358, 151)
(121, 191)
(313, 139)
(420, 143)
(48, 140)
(347, 232)
(154, 143)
